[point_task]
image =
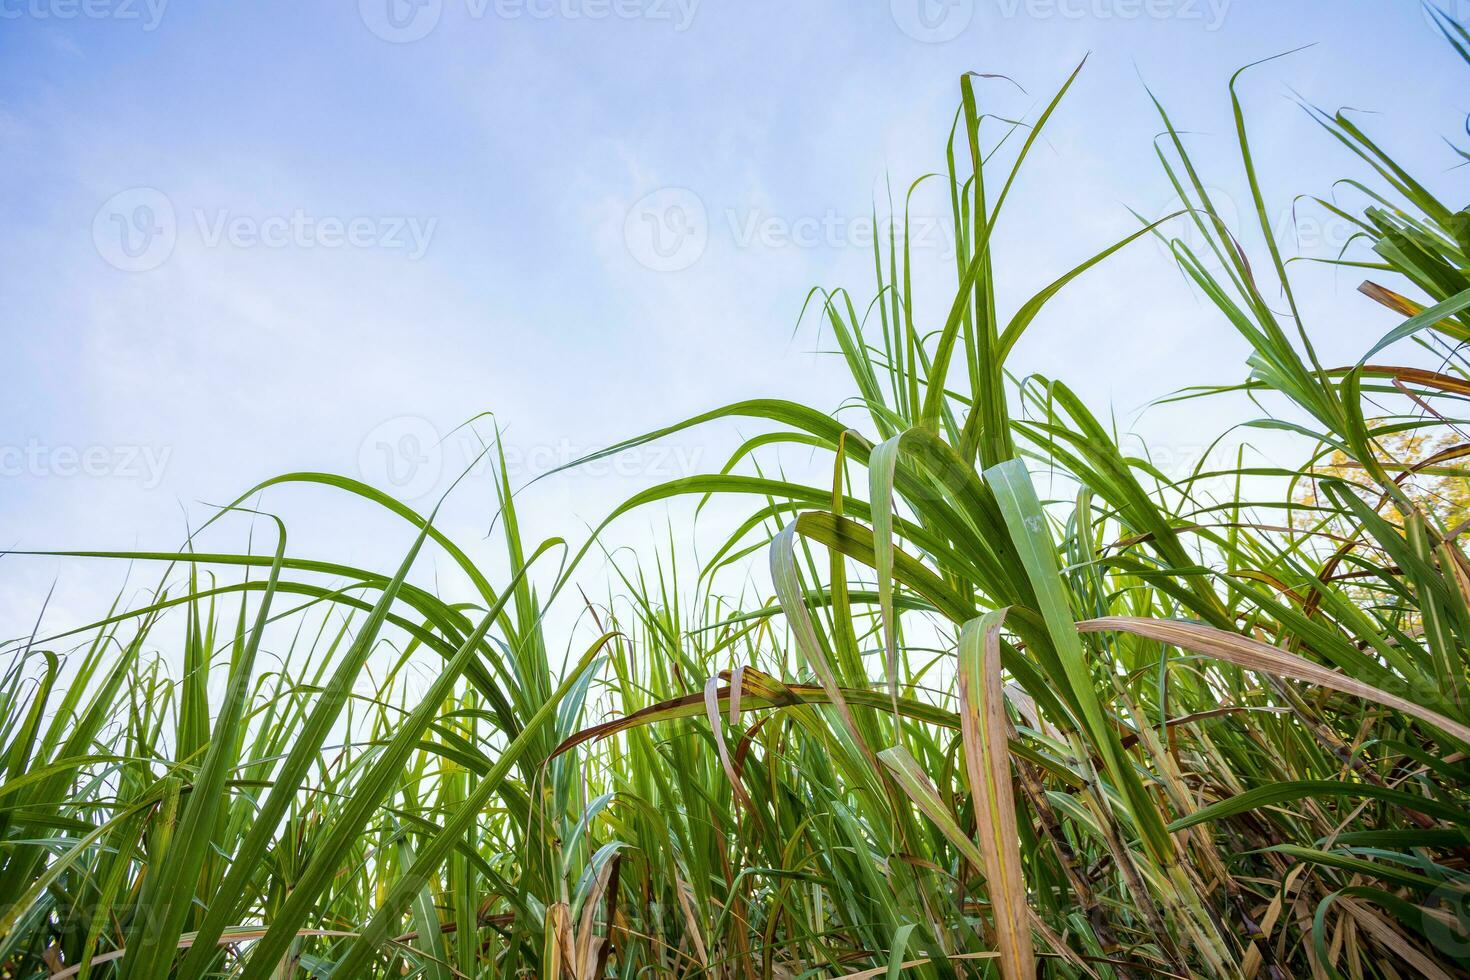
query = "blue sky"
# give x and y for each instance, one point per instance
(242, 239)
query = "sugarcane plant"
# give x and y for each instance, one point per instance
(1013, 701)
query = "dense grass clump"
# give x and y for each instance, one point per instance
(1145, 728)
